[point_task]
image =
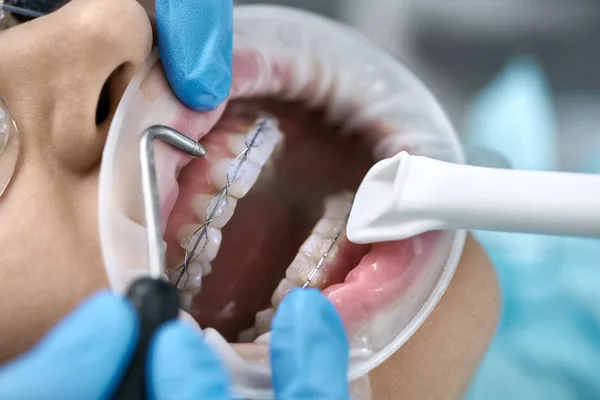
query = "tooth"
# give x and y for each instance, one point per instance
(315, 247)
(327, 227)
(194, 282)
(186, 297)
(337, 207)
(302, 269)
(284, 287)
(241, 174)
(265, 338)
(206, 269)
(208, 246)
(263, 321)
(223, 206)
(191, 278)
(252, 354)
(262, 143)
(196, 270)
(247, 335)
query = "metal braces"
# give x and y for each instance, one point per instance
(218, 203)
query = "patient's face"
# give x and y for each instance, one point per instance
(54, 70)
(62, 77)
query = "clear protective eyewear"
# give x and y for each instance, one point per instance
(9, 146)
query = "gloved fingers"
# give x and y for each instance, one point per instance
(309, 349)
(81, 358)
(195, 41)
(182, 366)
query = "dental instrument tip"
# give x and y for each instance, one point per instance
(198, 151)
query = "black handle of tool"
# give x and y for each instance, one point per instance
(156, 302)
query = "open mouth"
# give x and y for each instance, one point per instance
(265, 210)
(281, 223)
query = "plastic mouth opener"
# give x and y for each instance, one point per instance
(156, 300)
(406, 195)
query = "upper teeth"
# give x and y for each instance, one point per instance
(233, 178)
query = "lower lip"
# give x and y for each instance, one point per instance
(384, 277)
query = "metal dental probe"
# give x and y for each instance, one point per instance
(156, 301)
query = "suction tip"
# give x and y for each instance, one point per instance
(373, 210)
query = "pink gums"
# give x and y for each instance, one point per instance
(246, 69)
(381, 278)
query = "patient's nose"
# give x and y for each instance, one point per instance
(64, 74)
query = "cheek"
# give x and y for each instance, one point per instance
(53, 261)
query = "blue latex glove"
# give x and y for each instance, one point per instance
(195, 45)
(85, 356)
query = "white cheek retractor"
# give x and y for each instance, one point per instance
(404, 196)
(357, 84)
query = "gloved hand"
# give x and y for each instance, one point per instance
(195, 45)
(85, 356)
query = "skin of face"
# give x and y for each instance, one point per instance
(53, 70)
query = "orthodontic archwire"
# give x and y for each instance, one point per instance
(317, 268)
(221, 197)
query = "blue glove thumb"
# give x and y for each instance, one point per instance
(309, 349)
(195, 41)
(81, 358)
(183, 366)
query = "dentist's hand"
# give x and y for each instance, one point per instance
(309, 349)
(309, 356)
(195, 45)
(85, 356)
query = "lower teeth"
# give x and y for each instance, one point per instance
(310, 267)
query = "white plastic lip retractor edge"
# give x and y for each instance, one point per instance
(404, 196)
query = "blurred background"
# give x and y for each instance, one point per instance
(522, 78)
